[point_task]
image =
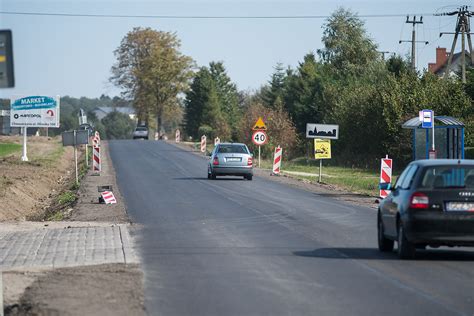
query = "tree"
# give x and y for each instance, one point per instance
(303, 97)
(276, 88)
(117, 125)
(347, 46)
(213, 102)
(152, 72)
(228, 98)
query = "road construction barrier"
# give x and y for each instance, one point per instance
(108, 197)
(203, 143)
(178, 136)
(96, 167)
(385, 175)
(277, 160)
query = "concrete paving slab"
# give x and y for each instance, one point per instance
(56, 246)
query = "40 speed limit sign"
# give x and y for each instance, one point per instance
(259, 138)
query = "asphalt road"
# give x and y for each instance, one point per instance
(237, 247)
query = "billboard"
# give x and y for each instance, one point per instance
(34, 111)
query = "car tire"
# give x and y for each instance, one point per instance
(385, 244)
(213, 176)
(209, 176)
(406, 249)
(249, 177)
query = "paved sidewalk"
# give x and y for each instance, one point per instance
(68, 246)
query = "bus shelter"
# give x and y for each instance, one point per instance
(449, 138)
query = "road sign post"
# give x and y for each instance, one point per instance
(259, 138)
(322, 150)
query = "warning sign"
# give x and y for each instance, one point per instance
(259, 125)
(322, 148)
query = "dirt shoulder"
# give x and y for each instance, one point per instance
(29, 188)
(320, 189)
(103, 289)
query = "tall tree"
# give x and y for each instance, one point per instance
(151, 71)
(274, 93)
(228, 97)
(347, 47)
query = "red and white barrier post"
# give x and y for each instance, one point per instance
(203, 143)
(108, 197)
(277, 161)
(96, 167)
(385, 175)
(178, 135)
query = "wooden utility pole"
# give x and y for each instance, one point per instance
(463, 27)
(413, 41)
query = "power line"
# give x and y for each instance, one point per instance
(207, 17)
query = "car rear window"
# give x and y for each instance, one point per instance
(448, 177)
(232, 149)
(141, 129)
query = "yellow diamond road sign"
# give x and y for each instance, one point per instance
(322, 148)
(259, 125)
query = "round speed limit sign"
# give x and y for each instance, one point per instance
(259, 138)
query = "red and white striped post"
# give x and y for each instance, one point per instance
(96, 159)
(178, 136)
(277, 160)
(203, 143)
(108, 197)
(385, 175)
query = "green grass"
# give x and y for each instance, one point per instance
(9, 148)
(67, 197)
(351, 179)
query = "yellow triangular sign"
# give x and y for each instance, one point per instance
(259, 125)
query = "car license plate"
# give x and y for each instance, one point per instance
(460, 207)
(234, 159)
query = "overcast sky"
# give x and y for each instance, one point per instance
(73, 55)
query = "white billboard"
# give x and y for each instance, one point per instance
(35, 111)
(323, 131)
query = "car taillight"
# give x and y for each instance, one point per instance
(419, 200)
(215, 162)
(249, 161)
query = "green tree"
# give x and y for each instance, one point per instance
(152, 72)
(117, 125)
(347, 46)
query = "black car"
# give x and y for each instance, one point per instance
(431, 204)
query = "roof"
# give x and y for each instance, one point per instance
(443, 162)
(441, 120)
(121, 109)
(455, 62)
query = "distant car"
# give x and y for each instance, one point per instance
(230, 159)
(431, 204)
(140, 132)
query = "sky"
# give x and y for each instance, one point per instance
(58, 55)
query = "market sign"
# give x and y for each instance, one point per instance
(35, 111)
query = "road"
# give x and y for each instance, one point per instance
(237, 247)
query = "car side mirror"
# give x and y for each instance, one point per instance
(385, 186)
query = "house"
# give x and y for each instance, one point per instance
(102, 111)
(442, 56)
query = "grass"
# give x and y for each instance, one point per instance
(67, 197)
(50, 159)
(9, 148)
(351, 179)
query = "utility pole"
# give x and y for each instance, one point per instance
(414, 22)
(462, 26)
(383, 53)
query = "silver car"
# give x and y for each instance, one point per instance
(230, 159)
(140, 132)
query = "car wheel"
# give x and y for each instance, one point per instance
(406, 249)
(385, 244)
(249, 177)
(213, 176)
(208, 175)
